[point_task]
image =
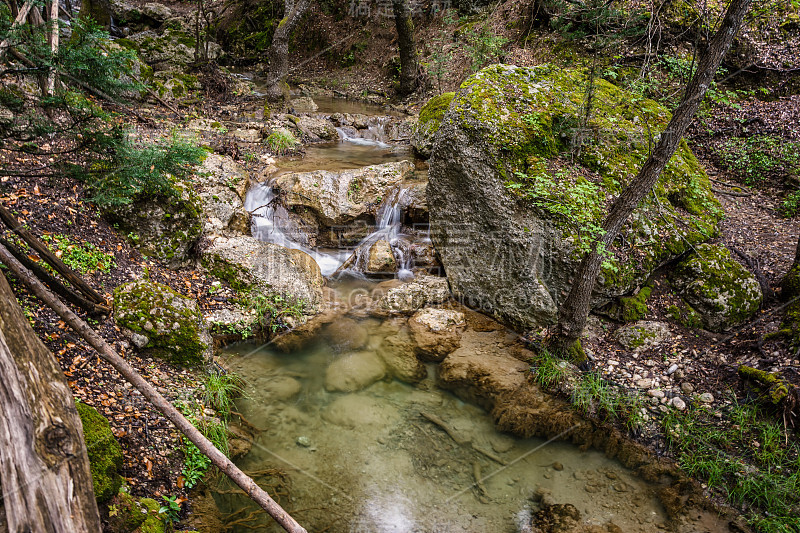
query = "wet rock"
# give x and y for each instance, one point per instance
(298, 337)
(501, 443)
(436, 332)
(556, 518)
(303, 441)
(503, 118)
(337, 199)
(642, 334)
(247, 263)
(354, 372)
(424, 255)
(304, 104)
(410, 297)
(317, 127)
(354, 410)
(381, 258)
(222, 186)
(281, 388)
(346, 334)
(717, 287)
(397, 352)
(171, 322)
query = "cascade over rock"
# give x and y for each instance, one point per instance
(521, 177)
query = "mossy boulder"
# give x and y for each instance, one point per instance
(521, 176)
(722, 292)
(430, 118)
(642, 335)
(105, 453)
(164, 227)
(248, 264)
(171, 324)
(222, 186)
(125, 514)
(153, 522)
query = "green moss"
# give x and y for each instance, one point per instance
(153, 523)
(171, 322)
(434, 110)
(771, 387)
(125, 514)
(719, 288)
(222, 269)
(105, 453)
(632, 308)
(685, 316)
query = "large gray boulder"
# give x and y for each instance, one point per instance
(222, 185)
(719, 289)
(252, 265)
(520, 182)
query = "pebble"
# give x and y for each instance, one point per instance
(656, 393)
(678, 374)
(678, 404)
(707, 397)
(644, 383)
(304, 441)
(672, 369)
(558, 466)
(687, 387)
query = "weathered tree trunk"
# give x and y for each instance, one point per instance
(573, 312)
(255, 492)
(44, 469)
(52, 41)
(405, 42)
(277, 90)
(97, 10)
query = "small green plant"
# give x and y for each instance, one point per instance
(84, 258)
(549, 371)
(196, 464)
(272, 310)
(281, 141)
(170, 510)
(220, 390)
(760, 157)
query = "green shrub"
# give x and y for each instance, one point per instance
(281, 141)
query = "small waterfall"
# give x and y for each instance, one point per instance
(389, 220)
(271, 224)
(373, 135)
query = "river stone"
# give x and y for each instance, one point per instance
(354, 410)
(304, 104)
(166, 227)
(430, 117)
(298, 337)
(172, 323)
(281, 388)
(222, 186)
(346, 334)
(436, 332)
(339, 198)
(717, 287)
(642, 335)
(317, 127)
(409, 297)
(478, 372)
(381, 258)
(354, 372)
(397, 352)
(249, 264)
(505, 250)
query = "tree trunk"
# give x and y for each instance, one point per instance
(573, 312)
(405, 42)
(44, 469)
(97, 10)
(790, 284)
(278, 54)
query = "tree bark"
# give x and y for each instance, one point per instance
(105, 351)
(278, 54)
(573, 312)
(405, 42)
(44, 469)
(52, 41)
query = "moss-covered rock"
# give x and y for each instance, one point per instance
(172, 324)
(642, 335)
(523, 173)
(430, 117)
(105, 453)
(718, 288)
(125, 514)
(631, 308)
(164, 227)
(153, 522)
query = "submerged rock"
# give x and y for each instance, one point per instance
(381, 258)
(436, 332)
(511, 213)
(172, 323)
(398, 352)
(719, 289)
(249, 264)
(354, 372)
(354, 410)
(346, 334)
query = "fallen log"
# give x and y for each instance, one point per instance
(256, 493)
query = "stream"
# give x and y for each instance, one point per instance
(347, 448)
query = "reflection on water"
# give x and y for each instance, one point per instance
(368, 461)
(342, 155)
